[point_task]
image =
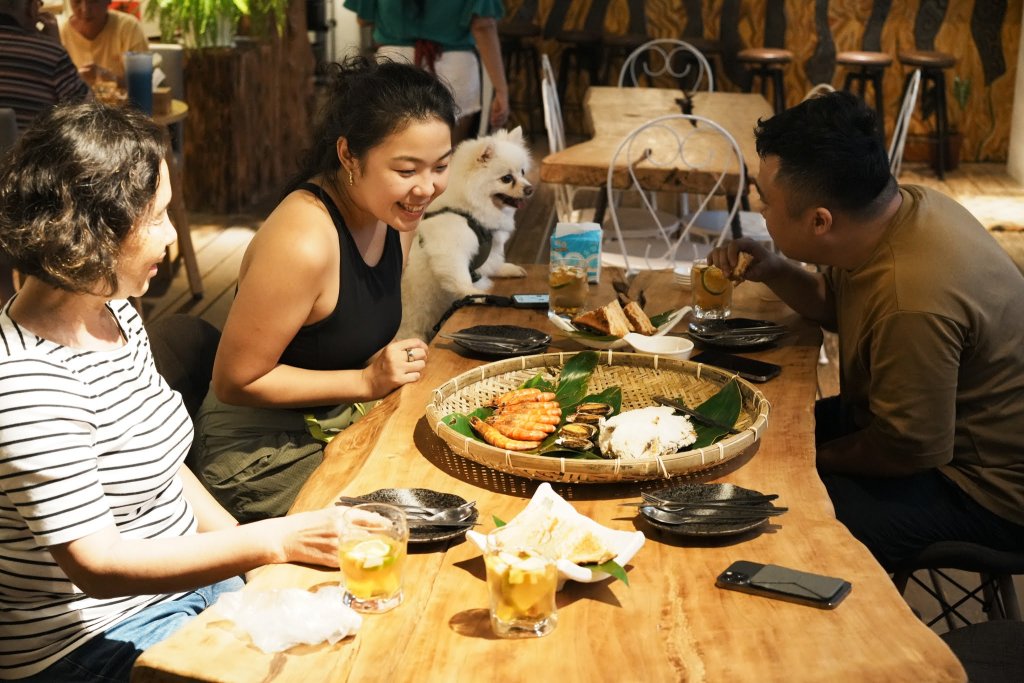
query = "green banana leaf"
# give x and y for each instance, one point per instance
(662, 318)
(460, 422)
(574, 378)
(723, 407)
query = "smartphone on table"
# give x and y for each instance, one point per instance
(747, 368)
(530, 300)
(783, 583)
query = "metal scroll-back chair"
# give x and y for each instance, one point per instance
(668, 56)
(683, 147)
(902, 125)
(565, 196)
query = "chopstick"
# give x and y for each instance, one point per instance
(703, 419)
(737, 331)
(746, 500)
(713, 511)
(488, 339)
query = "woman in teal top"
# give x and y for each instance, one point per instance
(444, 36)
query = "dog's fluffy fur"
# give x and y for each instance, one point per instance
(487, 180)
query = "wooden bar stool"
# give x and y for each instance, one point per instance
(522, 65)
(766, 63)
(863, 67)
(933, 67)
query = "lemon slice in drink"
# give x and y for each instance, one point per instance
(560, 277)
(714, 280)
(370, 554)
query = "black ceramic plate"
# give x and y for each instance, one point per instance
(526, 340)
(702, 493)
(705, 333)
(426, 498)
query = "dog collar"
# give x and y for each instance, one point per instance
(484, 236)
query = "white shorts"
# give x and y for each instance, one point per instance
(459, 70)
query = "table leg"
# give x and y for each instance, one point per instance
(179, 217)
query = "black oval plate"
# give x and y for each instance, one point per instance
(528, 340)
(426, 498)
(732, 341)
(702, 493)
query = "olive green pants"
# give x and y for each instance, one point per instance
(255, 460)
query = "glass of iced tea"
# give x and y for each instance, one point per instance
(372, 541)
(712, 291)
(522, 584)
(567, 284)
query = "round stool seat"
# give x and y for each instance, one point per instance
(927, 59)
(518, 29)
(863, 58)
(765, 55)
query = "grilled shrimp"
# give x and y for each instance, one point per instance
(532, 407)
(492, 436)
(516, 396)
(519, 431)
(520, 423)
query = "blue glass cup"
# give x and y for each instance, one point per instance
(138, 69)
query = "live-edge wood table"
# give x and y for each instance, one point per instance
(670, 624)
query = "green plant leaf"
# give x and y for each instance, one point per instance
(610, 567)
(723, 407)
(498, 522)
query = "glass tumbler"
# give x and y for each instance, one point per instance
(372, 545)
(567, 284)
(522, 583)
(712, 291)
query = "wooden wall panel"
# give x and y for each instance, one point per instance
(982, 34)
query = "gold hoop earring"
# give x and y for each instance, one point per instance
(351, 178)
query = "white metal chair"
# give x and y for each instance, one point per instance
(902, 125)
(678, 141)
(668, 56)
(577, 204)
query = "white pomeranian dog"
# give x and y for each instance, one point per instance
(460, 243)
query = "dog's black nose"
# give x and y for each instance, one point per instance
(528, 190)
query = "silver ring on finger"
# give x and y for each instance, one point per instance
(408, 355)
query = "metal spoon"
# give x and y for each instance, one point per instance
(457, 514)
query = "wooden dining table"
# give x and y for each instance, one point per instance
(611, 113)
(670, 623)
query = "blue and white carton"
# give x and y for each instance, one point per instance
(582, 239)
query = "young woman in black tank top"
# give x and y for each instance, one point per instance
(319, 292)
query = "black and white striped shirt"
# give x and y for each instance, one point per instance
(88, 439)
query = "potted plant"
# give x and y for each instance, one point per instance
(214, 23)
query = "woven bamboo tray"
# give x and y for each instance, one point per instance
(640, 377)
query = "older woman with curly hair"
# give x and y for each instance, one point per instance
(108, 543)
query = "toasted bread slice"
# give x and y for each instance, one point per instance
(608, 320)
(742, 263)
(638, 320)
(564, 537)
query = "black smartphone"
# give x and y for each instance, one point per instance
(782, 583)
(747, 368)
(530, 300)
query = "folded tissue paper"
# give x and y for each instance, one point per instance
(282, 618)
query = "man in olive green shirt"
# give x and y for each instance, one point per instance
(925, 442)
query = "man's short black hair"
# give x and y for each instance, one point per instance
(830, 154)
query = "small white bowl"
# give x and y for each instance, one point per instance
(677, 348)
